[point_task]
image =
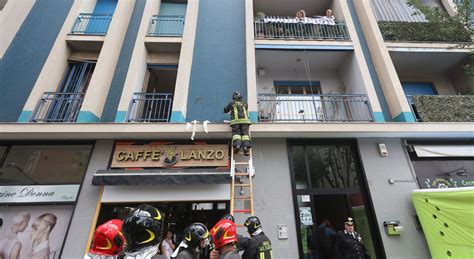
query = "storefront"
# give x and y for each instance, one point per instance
(39, 187)
(328, 187)
(187, 182)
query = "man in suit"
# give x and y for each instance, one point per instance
(349, 244)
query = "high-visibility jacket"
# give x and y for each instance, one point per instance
(238, 112)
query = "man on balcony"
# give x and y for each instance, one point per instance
(240, 123)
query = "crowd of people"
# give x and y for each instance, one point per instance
(139, 236)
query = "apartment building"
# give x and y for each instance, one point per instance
(104, 101)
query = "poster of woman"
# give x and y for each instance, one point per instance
(33, 231)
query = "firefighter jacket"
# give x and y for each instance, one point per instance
(238, 112)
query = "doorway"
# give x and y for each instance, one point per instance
(327, 186)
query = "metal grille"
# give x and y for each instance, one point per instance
(150, 107)
(301, 31)
(58, 107)
(314, 108)
(166, 25)
(94, 24)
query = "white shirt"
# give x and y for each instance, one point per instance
(166, 247)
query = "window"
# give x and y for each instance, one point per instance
(44, 164)
(296, 87)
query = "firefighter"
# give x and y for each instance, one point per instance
(259, 245)
(240, 123)
(142, 231)
(242, 242)
(196, 237)
(108, 240)
(224, 237)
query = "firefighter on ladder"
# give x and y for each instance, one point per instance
(240, 123)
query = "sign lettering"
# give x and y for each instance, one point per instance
(38, 193)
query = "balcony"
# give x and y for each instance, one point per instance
(442, 108)
(58, 107)
(314, 108)
(166, 26)
(150, 107)
(91, 24)
(290, 28)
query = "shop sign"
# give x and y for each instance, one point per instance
(445, 182)
(38, 193)
(159, 156)
(306, 217)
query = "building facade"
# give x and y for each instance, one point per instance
(354, 105)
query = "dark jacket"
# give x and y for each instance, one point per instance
(348, 247)
(258, 244)
(186, 253)
(239, 113)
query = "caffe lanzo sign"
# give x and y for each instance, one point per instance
(38, 193)
(160, 156)
(445, 182)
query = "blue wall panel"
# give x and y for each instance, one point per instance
(27, 53)
(219, 59)
(116, 87)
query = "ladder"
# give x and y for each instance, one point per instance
(241, 192)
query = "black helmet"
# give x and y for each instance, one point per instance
(236, 96)
(253, 224)
(194, 233)
(142, 228)
(228, 217)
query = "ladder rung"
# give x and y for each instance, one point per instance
(242, 211)
(242, 185)
(241, 174)
(243, 198)
(241, 163)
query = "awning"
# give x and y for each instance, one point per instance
(444, 150)
(159, 176)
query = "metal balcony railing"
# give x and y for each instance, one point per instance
(150, 107)
(166, 26)
(91, 24)
(58, 107)
(314, 108)
(277, 27)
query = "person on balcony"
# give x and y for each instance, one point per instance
(239, 122)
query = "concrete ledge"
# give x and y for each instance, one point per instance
(85, 42)
(427, 47)
(72, 131)
(306, 42)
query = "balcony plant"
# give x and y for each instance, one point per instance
(441, 27)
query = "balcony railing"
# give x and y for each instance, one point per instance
(58, 107)
(442, 108)
(91, 24)
(166, 26)
(277, 27)
(314, 108)
(150, 107)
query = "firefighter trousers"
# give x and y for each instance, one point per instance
(240, 135)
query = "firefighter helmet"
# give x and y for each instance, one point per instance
(253, 224)
(194, 233)
(229, 217)
(223, 233)
(236, 96)
(108, 239)
(142, 228)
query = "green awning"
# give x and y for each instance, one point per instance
(447, 218)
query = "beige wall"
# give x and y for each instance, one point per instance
(11, 19)
(98, 89)
(57, 61)
(250, 57)
(387, 74)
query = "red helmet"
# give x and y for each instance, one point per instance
(223, 233)
(108, 238)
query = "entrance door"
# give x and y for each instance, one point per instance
(327, 186)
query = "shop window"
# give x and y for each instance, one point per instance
(44, 164)
(332, 166)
